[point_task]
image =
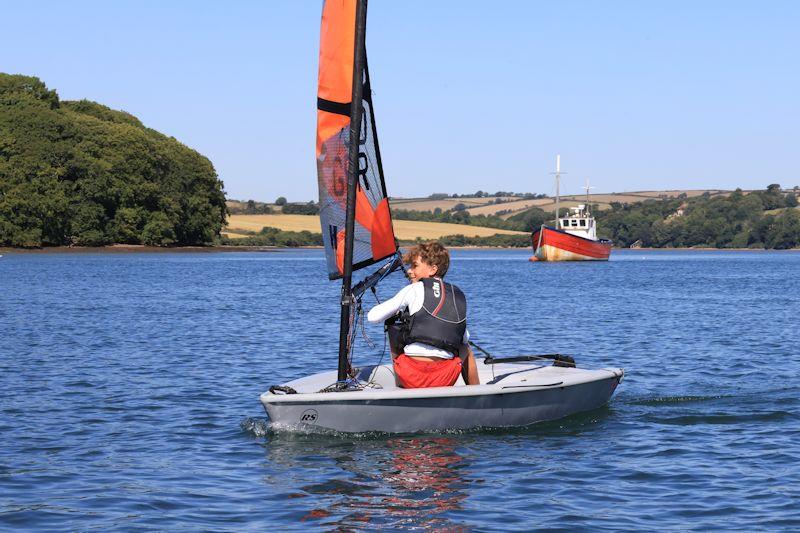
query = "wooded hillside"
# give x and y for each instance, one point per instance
(79, 173)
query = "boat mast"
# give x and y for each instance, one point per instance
(558, 180)
(588, 213)
(352, 176)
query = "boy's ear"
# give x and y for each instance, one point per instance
(435, 269)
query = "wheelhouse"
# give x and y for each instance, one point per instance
(579, 222)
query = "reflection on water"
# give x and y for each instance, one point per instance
(405, 481)
(426, 474)
(398, 481)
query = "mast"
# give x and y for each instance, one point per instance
(558, 180)
(352, 176)
(587, 197)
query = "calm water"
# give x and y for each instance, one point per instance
(130, 383)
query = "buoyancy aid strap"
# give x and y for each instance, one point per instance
(455, 307)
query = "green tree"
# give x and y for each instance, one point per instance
(773, 198)
(158, 231)
(127, 225)
(88, 224)
(784, 233)
(281, 201)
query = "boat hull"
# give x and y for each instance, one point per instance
(550, 244)
(527, 396)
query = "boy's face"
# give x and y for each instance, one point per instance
(419, 269)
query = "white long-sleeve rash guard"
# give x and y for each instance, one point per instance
(411, 297)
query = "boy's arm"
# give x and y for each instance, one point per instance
(470, 368)
(398, 302)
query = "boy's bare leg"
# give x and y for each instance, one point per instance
(469, 369)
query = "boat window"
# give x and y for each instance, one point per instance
(583, 222)
(574, 223)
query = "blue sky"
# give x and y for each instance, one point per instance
(469, 95)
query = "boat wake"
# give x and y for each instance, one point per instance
(661, 400)
(256, 427)
(746, 407)
(759, 396)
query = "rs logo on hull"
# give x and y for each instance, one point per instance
(309, 416)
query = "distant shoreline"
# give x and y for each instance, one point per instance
(132, 249)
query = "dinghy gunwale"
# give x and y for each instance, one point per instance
(576, 377)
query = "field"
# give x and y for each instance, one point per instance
(427, 204)
(514, 206)
(404, 229)
(511, 205)
(548, 204)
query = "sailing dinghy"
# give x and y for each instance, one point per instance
(357, 233)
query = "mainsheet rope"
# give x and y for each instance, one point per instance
(357, 322)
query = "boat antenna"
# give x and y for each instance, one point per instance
(356, 111)
(587, 188)
(557, 174)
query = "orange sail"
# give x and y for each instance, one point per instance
(373, 236)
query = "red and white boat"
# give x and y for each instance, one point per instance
(575, 236)
(575, 239)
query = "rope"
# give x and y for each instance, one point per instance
(356, 323)
(371, 382)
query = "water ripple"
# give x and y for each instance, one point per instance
(130, 391)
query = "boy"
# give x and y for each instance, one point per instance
(434, 329)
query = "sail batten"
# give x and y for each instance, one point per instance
(373, 236)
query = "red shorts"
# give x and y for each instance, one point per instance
(415, 374)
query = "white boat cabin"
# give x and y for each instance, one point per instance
(579, 222)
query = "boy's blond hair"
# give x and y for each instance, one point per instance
(432, 253)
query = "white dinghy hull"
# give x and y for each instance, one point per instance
(514, 395)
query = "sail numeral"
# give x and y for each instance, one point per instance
(339, 182)
(363, 162)
(362, 136)
(362, 170)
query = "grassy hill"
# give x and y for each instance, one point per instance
(473, 216)
(677, 218)
(405, 230)
(505, 207)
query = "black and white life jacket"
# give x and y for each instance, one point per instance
(442, 320)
